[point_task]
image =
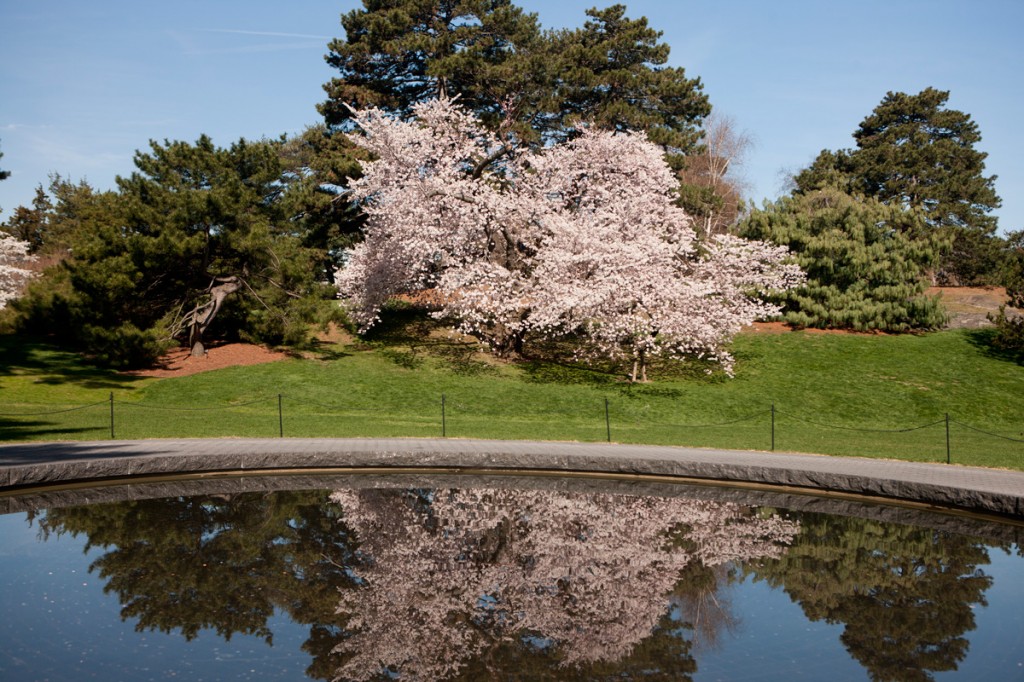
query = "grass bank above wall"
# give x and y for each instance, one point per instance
(878, 396)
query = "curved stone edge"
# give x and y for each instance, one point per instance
(899, 481)
(980, 526)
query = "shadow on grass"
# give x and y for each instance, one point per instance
(324, 351)
(986, 341)
(650, 391)
(13, 429)
(406, 335)
(462, 358)
(610, 375)
(401, 324)
(547, 371)
(55, 366)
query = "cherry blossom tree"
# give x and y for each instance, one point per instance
(446, 574)
(580, 240)
(14, 257)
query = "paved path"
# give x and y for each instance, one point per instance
(975, 489)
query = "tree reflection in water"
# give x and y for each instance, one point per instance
(223, 563)
(468, 584)
(905, 594)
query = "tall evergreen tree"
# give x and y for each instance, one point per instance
(612, 73)
(510, 74)
(317, 165)
(30, 225)
(400, 52)
(914, 152)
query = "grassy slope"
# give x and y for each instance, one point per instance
(844, 382)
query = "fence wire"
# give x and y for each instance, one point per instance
(987, 433)
(446, 402)
(172, 408)
(43, 414)
(857, 428)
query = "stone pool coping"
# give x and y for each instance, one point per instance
(973, 489)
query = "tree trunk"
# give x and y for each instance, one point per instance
(201, 317)
(508, 345)
(639, 373)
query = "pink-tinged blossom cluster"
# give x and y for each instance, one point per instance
(14, 257)
(428, 214)
(447, 577)
(581, 239)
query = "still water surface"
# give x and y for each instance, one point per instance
(504, 579)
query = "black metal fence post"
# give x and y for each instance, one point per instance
(607, 421)
(444, 421)
(280, 418)
(773, 427)
(948, 457)
(111, 415)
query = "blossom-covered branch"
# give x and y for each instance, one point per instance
(14, 257)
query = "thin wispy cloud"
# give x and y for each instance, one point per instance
(272, 34)
(272, 41)
(266, 47)
(15, 128)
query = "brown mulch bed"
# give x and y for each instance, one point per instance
(179, 362)
(782, 328)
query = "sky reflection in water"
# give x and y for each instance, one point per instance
(530, 580)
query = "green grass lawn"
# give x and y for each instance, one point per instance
(833, 394)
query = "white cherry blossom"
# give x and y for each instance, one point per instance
(14, 257)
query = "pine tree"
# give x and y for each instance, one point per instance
(400, 52)
(866, 269)
(30, 225)
(541, 86)
(613, 74)
(196, 241)
(914, 153)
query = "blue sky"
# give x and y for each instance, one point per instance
(85, 84)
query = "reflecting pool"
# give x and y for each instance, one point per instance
(500, 578)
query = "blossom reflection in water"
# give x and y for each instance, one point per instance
(444, 575)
